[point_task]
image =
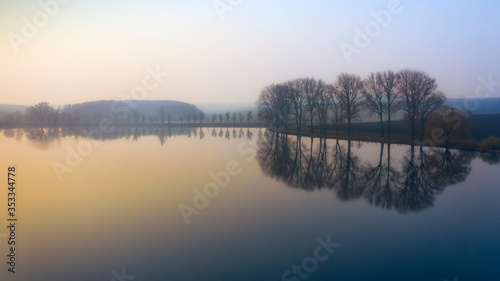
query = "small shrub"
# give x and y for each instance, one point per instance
(491, 143)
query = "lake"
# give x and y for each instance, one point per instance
(148, 203)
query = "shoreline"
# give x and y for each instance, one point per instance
(384, 140)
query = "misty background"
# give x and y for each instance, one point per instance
(218, 52)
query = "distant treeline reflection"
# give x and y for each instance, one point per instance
(405, 183)
(48, 135)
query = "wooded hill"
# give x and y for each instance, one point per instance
(131, 111)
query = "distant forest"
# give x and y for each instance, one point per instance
(118, 112)
(138, 111)
(125, 112)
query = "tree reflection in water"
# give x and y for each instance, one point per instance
(44, 137)
(409, 185)
(406, 185)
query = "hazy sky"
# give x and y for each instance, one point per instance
(92, 50)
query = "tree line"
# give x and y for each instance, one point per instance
(117, 112)
(306, 101)
(44, 113)
(234, 116)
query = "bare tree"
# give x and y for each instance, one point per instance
(241, 116)
(274, 106)
(228, 115)
(214, 117)
(431, 101)
(221, 117)
(348, 90)
(297, 99)
(312, 89)
(419, 97)
(374, 99)
(249, 116)
(322, 107)
(234, 116)
(338, 112)
(195, 118)
(388, 81)
(188, 117)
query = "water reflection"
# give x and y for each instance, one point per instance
(406, 182)
(409, 184)
(44, 137)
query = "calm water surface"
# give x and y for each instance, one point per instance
(239, 204)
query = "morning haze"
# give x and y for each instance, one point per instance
(94, 50)
(249, 140)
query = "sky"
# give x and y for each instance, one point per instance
(227, 51)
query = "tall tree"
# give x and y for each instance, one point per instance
(338, 112)
(312, 89)
(374, 99)
(40, 112)
(249, 116)
(297, 99)
(322, 106)
(348, 90)
(419, 97)
(274, 105)
(388, 81)
(430, 102)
